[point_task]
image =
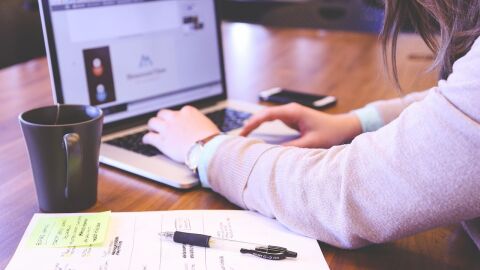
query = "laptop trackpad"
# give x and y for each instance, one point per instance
(275, 132)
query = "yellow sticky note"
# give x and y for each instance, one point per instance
(70, 230)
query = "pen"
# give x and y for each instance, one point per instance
(200, 240)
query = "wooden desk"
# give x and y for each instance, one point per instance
(347, 65)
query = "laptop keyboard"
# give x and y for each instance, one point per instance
(133, 142)
(225, 119)
(228, 119)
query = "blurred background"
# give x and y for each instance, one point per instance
(21, 33)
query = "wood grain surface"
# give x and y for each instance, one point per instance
(346, 65)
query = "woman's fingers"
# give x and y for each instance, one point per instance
(166, 114)
(156, 124)
(285, 113)
(188, 109)
(154, 139)
(256, 121)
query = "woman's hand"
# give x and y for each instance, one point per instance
(317, 129)
(174, 132)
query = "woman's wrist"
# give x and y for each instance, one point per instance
(195, 151)
(207, 155)
(351, 126)
(369, 117)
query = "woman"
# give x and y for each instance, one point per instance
(412, 164)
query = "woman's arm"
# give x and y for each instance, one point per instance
(379, 113)
(418, 172)
(321, 130)
(414, 174)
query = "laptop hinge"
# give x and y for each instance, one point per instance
(205, 104)
(127, 123)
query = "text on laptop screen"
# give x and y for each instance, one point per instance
(135, 56)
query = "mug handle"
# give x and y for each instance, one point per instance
(71, 142)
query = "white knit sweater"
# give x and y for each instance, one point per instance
(419, 171)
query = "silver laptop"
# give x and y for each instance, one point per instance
(134, 57)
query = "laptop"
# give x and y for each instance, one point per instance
(132, 58)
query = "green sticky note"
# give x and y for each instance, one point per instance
(70, 230)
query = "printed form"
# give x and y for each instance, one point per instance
(132, 242)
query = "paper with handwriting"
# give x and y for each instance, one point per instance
(132, 242)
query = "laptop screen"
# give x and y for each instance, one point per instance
(131, 57)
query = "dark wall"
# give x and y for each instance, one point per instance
(353, 15)
(20, 32)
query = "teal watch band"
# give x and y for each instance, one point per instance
(370, 118)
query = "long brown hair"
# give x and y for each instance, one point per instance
(448, 27)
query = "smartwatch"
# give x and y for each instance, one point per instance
(193, 156)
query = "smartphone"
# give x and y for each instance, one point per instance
(283, 96)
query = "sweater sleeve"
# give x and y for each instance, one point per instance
(379, 113)
(415, 173)
(390, 109)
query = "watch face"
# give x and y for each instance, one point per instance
(194, 156)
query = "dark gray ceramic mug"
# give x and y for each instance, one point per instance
(63, 143)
